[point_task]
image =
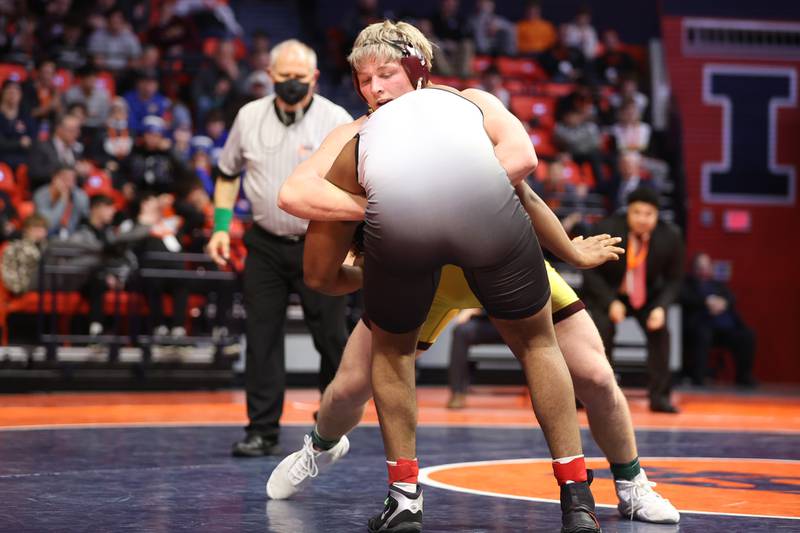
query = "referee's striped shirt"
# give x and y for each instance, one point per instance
(268, 151)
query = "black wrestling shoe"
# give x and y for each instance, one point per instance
(256, 446)
(402, 512)
(663, 406)
(577, 508)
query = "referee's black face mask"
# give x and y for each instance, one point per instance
(292, 90)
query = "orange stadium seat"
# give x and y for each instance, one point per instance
(540, 107)
(23, 183)
(480, 63)
(8, 184)
(64, 79)
(520, 67)
(15, 72)
(556, 90)
(542, 140)
(106, 80)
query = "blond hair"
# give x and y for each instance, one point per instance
(293, 44)
(381, 40)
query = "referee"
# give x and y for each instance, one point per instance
(269, 138)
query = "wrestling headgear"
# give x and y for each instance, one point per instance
(413, 62)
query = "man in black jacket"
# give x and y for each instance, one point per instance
(644, 285)
(710, 319)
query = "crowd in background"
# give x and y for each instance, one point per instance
(122, 106)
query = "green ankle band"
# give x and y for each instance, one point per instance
(320, 443)
(626, 471)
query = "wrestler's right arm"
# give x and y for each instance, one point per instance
(582, 253)
(306, 194)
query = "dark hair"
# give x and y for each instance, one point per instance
(35, 220)
(8, 83)
(86, 70)
(100, 199)
(644, 194)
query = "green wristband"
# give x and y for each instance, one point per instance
(222, 218)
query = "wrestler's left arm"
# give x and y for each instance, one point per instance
(327, 243)
(512, 144)
(580, 252)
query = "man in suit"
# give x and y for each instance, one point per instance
(62, 150)
(710, 320)
(643, 286)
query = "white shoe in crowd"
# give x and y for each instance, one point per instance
(297, 469)
(638, 501)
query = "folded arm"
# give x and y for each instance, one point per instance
(327, 242)
(306, 193)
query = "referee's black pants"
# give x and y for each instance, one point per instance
(273, 269)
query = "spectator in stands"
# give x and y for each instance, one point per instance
(94, 97)
(69, 50)
(628, 89)
(144, 100)
(580, 34)
(492, 82)
(114, 47)
(260, 42)
(614, 64)
(62, 202)
(201, 147)
(20, 262)
(41, 94)
(96, 237)
(576, 134)
(223, 14)
(152, 166)
(114, 144)
(493, 34)
(562, 187)
(17, 127)
(631, 133)
(535, 34)
(182, 143)
(216, 130)
(63, 149)
(175, 35)
(710, 320)
(50, 22)
(628, 178)
(366, 12)
(451, 33)
(472, 327)
(217, 82)
(162, 239)
(8, 214)
(644, 286)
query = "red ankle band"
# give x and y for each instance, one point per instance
(574, 471)
(405, 471)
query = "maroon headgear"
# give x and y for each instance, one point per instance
(413, 62)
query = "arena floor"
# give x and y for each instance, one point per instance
(160, 462)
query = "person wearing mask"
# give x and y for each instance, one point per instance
(269, 138)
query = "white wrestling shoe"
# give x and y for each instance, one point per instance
(638, 501)
(297, 469)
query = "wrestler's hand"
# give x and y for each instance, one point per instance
(219, 247)
(595, 250)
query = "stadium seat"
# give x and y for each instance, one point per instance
(540, 107)
(520, 67)
(12, 71)
(480, 63)
(542, 140)
(8, 184)
(556, 90)
(23, 183)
